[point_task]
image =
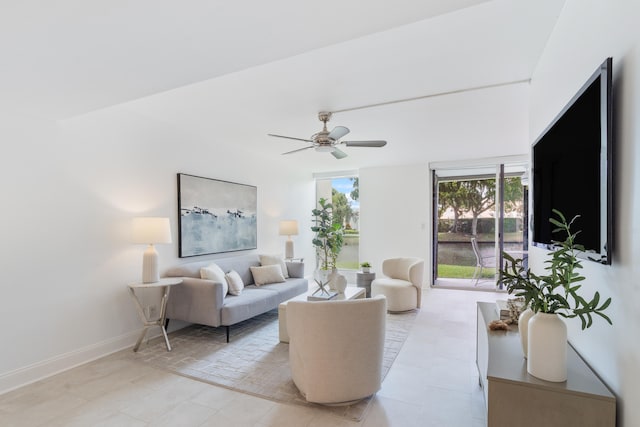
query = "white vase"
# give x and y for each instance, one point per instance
(523, 328)
(340, 283)
(332, 278)
(547, 347)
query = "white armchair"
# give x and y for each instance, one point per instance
(403, 284)
(336, 348)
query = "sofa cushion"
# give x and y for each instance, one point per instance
(275, 260)
(215, 273)
(267, 274)
(252, 302)
(288, 289)
(236, 285)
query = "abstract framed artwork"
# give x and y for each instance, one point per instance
(215, 216)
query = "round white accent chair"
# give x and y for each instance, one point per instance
(403, 284)
(336, 348)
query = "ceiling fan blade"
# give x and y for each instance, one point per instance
(290, 137)
(338, 132)
(365, 143)
(339, 154)
(299, 149)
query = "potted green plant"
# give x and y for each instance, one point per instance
(329, 236)
(550, 296)
(366, 267)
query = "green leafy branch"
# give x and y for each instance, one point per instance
(329, 237)
(553, 292)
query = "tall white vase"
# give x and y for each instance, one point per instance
(332, 278)
(547, 347)
(523, 329)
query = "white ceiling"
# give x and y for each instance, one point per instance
(236, 70)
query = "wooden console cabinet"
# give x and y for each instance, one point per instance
(515, 398)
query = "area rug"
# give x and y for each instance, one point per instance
(254, 362)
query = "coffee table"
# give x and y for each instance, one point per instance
(351, 292)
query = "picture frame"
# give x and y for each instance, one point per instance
(215, 216)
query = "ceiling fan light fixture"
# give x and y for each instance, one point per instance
(324, 148)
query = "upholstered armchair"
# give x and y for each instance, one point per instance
(402, 285)
(336, 348)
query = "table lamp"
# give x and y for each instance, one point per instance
(151, 230)
(288, 228)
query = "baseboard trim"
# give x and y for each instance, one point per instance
(40, 370)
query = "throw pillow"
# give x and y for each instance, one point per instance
(215, 273)
(235, 282)
(267, 274)
(275, 260)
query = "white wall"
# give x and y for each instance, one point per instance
(70, 191)
(394, 206)
(587, 32)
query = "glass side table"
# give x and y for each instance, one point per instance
(164, 284)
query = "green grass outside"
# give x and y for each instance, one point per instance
(463, 272)
(482, 237)
(348, 265)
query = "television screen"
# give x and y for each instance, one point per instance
(572, 169)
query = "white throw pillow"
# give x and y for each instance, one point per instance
(215, 273)
(267, 274)
(236, 285)
(275, 260)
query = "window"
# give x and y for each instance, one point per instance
(343, 192)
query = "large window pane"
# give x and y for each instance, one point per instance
(343, 192)
(479, 212)
(466, 211)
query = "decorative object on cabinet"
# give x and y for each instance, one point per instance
(215, 216)
(150, 231)
(555, 293)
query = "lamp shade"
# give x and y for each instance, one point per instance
(289, 227)
(150, 230)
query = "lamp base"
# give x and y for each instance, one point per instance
(150, 265)
(288, 249)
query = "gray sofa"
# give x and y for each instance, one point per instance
(201, 301)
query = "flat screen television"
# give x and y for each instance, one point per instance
(572, 170)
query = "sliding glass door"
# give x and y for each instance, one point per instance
(479, 212)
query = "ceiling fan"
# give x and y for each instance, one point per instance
(326, 141)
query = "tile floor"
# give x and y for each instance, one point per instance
(433, 382)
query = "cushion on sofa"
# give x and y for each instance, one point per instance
(215, 273)
(289, 289)
(267, 274)
(275, 260)
(236, 285)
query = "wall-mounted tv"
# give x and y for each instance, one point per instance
(572, 169)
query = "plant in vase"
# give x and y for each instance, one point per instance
(328, 239)
(549, 296)
(366, 267)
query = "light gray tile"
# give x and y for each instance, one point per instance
(433, 382)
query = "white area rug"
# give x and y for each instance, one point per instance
(254, 362)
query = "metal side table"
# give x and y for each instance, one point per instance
(164, 284)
